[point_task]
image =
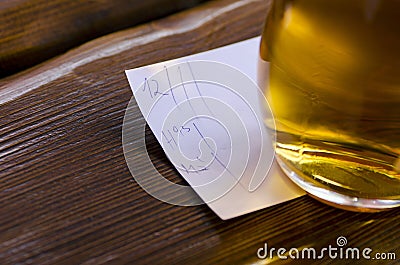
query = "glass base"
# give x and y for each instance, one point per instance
(335, 199)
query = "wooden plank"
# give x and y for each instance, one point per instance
(32, 31)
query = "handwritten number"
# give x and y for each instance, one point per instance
(187, 129)
(144, 86)
(180, 130)
(148, 85)
(157, 89)
(155, 81)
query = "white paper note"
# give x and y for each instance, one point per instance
(207, 117)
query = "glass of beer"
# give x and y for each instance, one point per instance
(330, 71)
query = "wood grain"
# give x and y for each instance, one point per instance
(32, 31)
(67, 196)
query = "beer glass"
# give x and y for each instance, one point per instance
(330, 71)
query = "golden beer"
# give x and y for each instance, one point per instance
(334, 90)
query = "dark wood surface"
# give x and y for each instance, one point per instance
(67, 196)
(32, 31)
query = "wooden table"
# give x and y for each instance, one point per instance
(67, 196)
